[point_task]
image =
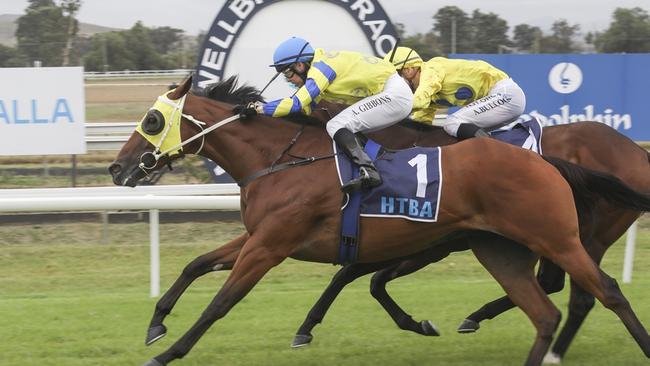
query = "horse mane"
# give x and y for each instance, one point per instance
(228, 91)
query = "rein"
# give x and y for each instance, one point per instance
(275, 167)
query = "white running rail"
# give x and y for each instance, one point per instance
(152, 198)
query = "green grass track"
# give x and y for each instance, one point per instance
(66, 299)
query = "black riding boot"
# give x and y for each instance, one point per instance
(368, 176)
(468, 130)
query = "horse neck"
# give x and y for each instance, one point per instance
(244, 147)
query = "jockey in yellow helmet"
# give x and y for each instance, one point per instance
(377, 95)
(488, 97)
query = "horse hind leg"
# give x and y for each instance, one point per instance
(378, 288)
(593, 280)
(609, 224)
(549, 276)
(513, 267)
(316, 314)
(221, 258)
(392, 270)
(580, 304)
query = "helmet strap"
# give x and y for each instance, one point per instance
(405, 61)
(301, 51)
(392, 55)
(303, 75)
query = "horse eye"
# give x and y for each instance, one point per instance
(153, 123)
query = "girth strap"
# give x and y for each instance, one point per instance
(349, 245)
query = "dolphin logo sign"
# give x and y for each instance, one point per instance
(565, 77)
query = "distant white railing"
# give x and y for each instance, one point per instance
(152, 198)
(101, 136)
(136, 74)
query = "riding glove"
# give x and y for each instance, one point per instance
(248, 110)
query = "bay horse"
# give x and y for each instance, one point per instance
(589, 144)
(309, 198)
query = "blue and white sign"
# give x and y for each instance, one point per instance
(42, 111)
(568, 88)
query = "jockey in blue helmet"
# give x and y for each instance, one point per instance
(377, 96)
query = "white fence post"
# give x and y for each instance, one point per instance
(154, 252)
(628, 262)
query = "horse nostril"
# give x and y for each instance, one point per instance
(114, 169)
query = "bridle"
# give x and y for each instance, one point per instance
(149, 159)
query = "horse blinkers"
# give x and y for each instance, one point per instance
(153, 123)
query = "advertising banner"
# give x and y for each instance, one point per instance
(42, 111)
(566, 88)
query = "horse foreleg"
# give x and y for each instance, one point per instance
(221, 258)
(549, 276)
(414, 263)
(512, 266)
(344, 276)
(253, 262)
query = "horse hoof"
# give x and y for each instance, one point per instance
(301, 340)
(468, 326)
(155, 333)
(552, 358)
(152, 362)
(428, 329)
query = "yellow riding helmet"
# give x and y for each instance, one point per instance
(404, 57)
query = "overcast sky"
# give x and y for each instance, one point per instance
(196, 15)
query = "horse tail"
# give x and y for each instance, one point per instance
(589, 185)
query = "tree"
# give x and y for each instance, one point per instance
(628, 32)
(143, 53)
(526, 38)
(561, 39)
(166, 39)
(489, 33)
(453, 28)
(11, 57)
(70, 8)
(427, 45)
(42, 32)
(109, 51)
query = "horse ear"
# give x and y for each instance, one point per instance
(182, 89)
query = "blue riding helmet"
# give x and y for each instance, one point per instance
(292, 50)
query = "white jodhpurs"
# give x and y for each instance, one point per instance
(504, 103)
(377, 111)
